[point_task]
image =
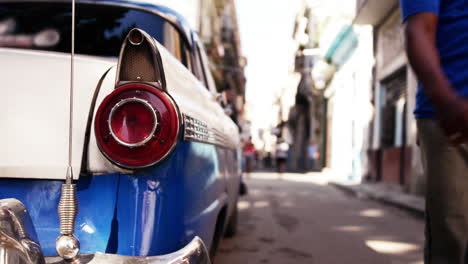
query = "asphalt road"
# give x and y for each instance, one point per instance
(298, 218)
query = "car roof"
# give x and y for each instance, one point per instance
(152, 6)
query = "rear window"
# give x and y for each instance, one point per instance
(100, 29)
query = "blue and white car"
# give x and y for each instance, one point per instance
(132, 121)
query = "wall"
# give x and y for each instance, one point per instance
(400, 163)
(350, 111)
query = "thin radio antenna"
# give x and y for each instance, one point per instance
(67, 246)
(72, 84)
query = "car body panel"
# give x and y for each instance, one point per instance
(151, 212)
(166, 206)
(93, 225)
(35, 121)
(47, 146)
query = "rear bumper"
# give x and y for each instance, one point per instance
(20, 244)
(194, 253)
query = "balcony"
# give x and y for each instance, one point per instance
(374, 11)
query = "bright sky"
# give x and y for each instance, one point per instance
(266, 28)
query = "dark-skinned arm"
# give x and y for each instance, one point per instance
(452, 110)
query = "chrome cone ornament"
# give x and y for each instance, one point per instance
(67, 245)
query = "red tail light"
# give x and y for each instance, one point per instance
(136, 126)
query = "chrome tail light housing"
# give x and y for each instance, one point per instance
(137, 125)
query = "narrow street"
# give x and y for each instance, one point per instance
(299, 218)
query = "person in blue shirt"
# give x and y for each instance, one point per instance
(436, 39)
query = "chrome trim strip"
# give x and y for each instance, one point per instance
(133, 100)
(194, 253)
(199, 131)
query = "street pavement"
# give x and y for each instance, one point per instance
(299, 218)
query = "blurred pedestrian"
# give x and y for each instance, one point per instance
(282, 149)
(436, 33)
(312, 153)
(249, 152)
(268, 160)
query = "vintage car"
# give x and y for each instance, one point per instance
(115, 149)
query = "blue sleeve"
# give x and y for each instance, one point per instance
(411, 7)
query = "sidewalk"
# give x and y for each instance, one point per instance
(386, 193)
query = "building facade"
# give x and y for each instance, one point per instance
(370, 128)
(394, 154)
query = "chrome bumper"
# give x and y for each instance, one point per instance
(18, 244)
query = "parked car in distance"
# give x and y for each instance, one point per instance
(154, 158)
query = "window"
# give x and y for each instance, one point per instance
(201, 68)
(198, 70)
(206, 70)
(175, 44)
(100, 29)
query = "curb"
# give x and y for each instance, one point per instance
(359, 192)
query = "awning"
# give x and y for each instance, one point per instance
(337, 54)
(342, 47)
